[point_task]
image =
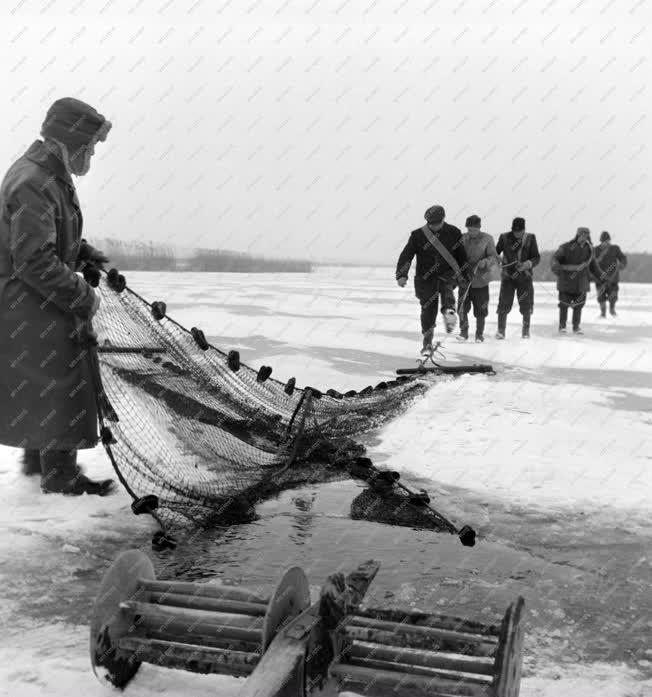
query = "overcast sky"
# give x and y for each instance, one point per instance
(325, 129)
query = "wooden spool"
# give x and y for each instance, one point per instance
(406, 653)
(287, 647)
(199, 627)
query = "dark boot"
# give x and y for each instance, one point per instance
(603, 309)
(31, 462)
(612, 309)
(563, 318)
(427, 341)
(502, 326)
(525, 333)
(479, 329)
(577, 318)
(61, 475)
(464, 331)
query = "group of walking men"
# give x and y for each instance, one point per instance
(446, 258)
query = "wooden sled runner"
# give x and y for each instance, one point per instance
(448, 369)
(287, 647)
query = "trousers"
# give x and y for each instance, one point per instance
(523, 288)
(430, 304)
(608, 292)
(479, 299)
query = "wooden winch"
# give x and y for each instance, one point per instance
(287, 647)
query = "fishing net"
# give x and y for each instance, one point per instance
(207, 435)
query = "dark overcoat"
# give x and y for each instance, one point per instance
(574, 263)
(611, 260)
(46, 393)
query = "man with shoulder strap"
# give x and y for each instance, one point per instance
(611, 260)
(441, 259)
(520, 254)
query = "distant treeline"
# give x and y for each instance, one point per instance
(137, 256)
(150, 256)
(220, 260)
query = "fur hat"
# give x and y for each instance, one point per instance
(74, 123)
(435, 215)
(518, 224)
(473, 221)
(604, 236)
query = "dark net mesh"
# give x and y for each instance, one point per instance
(208, 437)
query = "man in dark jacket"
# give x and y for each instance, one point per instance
(573, 263)
(48, 406)
(611, 260)
(441, 259)
(520, 255)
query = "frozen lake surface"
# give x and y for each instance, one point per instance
(549, 460)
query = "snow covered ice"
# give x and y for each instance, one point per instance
(549, 460)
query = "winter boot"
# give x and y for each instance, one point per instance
(479, 329)
(450, 319)
(502, 325)
(603, 310)
(563, 318)
(31, 462)
(464, 333)
(612, 309)
(577, 318)
(60, 474)
(525, 333)
(427, 341)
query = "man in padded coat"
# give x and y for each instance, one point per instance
(47, 402)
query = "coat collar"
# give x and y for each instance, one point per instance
(38, 154)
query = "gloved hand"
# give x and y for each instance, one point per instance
(89, 253)
(96, 303)
(402, 281)
(524, 265)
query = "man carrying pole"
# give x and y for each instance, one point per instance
(482, 256)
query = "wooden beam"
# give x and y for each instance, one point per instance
(174, 619)
(196, 659)
(209, 604)
(433, 640)
(385, 682)
(425, 619)
(418, 657)
(198, 638)
(205, 590)
(280, 671)
(431, 631)
(456, 676)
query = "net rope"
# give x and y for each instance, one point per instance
(201, 435)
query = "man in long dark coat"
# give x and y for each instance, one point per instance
(441, 265)
(46, 394)
(611, 260)
(573, 264)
